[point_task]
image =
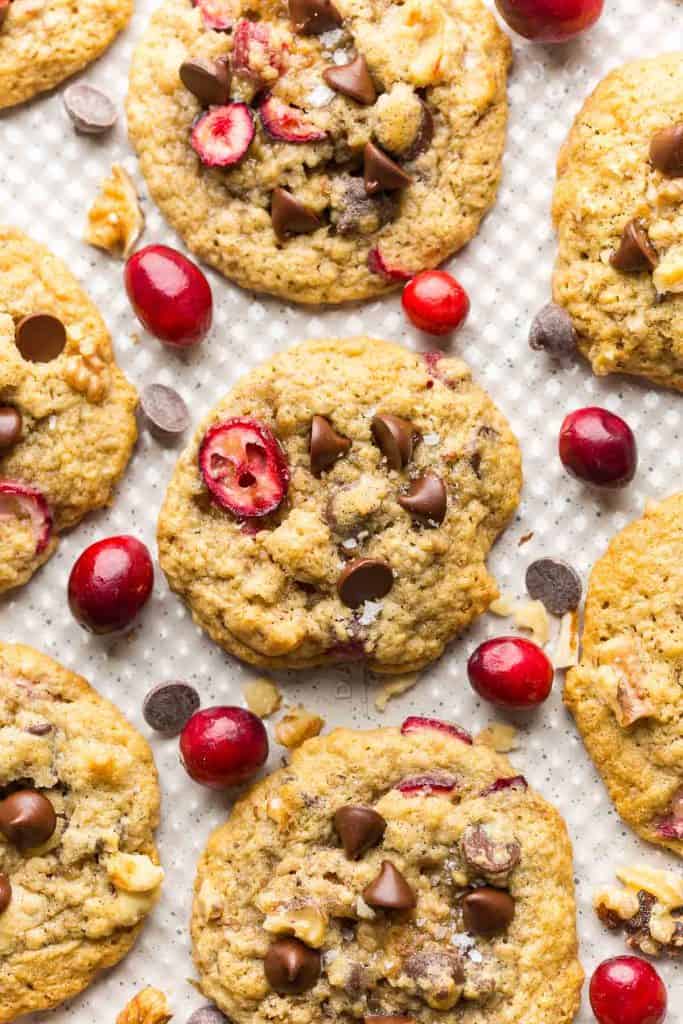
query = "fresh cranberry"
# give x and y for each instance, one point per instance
(110, 583)
(223, 746)
(511, 672)
(417, 723)
(435, 302)
(170, 295)
(627, 990)
(550, 21)
(598, 447)
(244, 467)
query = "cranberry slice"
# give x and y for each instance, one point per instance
(377, 264)
(253, 50)
(222, 136)
(287, 124)
(217, 14)
(670, 828)
(416, 723)
(510, 782)
(244, 467)
(17, 499)
(428, 783)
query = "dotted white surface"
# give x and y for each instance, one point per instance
(49, 176)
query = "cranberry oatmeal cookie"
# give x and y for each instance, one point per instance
(321, 152)
(67, 413)
(42, 42)
(626, 693)
(339, 504)
(79, 803)
(618, 210)
(394, 875)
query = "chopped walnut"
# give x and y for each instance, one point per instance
(263, 697)
(115, 220)
(149, 1006)
(307, 922)
(296, 726)
(134, 872)
(626, 678)
(566, 653)
(532, 615)
(398, 118)
(649, 909)
(504, 606)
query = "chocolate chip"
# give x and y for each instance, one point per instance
(5, 892)
(425, 134)
(168, 706)
(635, 252)
(666, 151)
(291, 967)
(91, 110)
(381, 172)
(40, 729)
(365, 579)
(10, 427)
(208, 1015)
(426, 498)
(352, 80)
(40, 337)
(359, 828)
(326, 445)
(553, 332)
(290, 217)
(395, 438)
(494, 860)
(555, 584)
(208, 80)
(389, 890)
(165, 411)
(27, 818)
(313, 17)
(488, 911)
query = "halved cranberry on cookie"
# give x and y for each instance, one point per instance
(244, 467)
(377, 264)
(288, 124)
(222, 136)
(416, 723)
(219, 15)
(427, 784)
(255, 53)
(22, 500)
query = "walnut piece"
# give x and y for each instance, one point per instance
(532, 615)
(307, 922)
(566, 653)
(262, 697)
(149, 1006)
(297, 725)
(134, 872)
(649, 909)
(115, 220)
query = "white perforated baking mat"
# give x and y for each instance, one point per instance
(48, 177)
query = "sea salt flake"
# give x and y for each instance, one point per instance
(349, 544)
(369, 612)
(431, 439)
(320, 96)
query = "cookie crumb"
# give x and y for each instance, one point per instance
(643, 909)
(262, 696)
(498, 736)
(566, 653)
(531, 615)
(150, 1006)
(525, 538)
(297, 725)
(115, 219)
(394, 686)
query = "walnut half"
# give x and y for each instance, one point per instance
(149, 1006)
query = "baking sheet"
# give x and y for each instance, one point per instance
(49, 176)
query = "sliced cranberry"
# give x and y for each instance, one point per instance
(670, 828)
(416, 723)
(511, 672)
(352, 650)
(378, 265)
(170, 295)
(627, 990)
(18, 500)
(218, 14)
(110, 583)
(253, 50)
(598, 447)
(287, 124)
(222, 136)
(430, 782)
(511, 782)
(244, 467)
(223, 746)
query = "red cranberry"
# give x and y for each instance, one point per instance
(110, 583)
(435, 302)
(244, 467)
(223, 746)
(222, 136)
(418, 723)
(598, 447)
(550, 21)
(170, 295)
(511, 672)
(627, 990)
(288, 124)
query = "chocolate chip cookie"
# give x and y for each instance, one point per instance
(617, 209)
(393, 876)
(320, 151)
(626, 694)
(67, 413)
(79, 804)
(43, 42)
(339, 505)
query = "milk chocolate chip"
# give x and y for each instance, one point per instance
(382, 173)
(488, 911)
(290, 217)
(91, 111)
(494, 860)
(27, 818)
(359, 828)
(326, 445)
(666, 151)
(352, 80)
(10, 427)
(389, 890)
(395, 439)
(208, 80)
(291, 967)
(635, 252)
(365, 579)
(5, 893)
(40, 337)
(426, 498)
(313, 17)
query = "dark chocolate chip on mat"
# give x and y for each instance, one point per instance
(552, 331)
(208, 1015)
(165, 410)
(555, 584)
(90, 109)
(168, 706)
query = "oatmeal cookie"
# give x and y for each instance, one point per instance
(626, 694)
(618, 210)
(397, 875)
(79, 803)
(67, 413)
(321, 152)
(43, 42)
(339, 504)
